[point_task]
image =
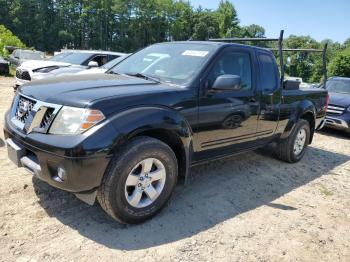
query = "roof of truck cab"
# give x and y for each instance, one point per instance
(219, 44)
(92, 52)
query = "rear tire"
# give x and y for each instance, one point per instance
(139, 181)
(292, 149)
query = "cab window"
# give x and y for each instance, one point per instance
(269, 75)
(232, 63)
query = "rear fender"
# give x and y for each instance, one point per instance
(304, 108)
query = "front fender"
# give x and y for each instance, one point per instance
(138, 120)
(303, 108)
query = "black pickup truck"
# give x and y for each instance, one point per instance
(125, 137)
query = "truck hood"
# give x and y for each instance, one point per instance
(339, 99)
(35, 64)
(84, 90)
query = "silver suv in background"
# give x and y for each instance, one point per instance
(20, 56)
(71, 61)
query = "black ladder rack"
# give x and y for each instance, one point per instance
(280, 50)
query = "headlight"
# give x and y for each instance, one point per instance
(46, 69)
(73, 120)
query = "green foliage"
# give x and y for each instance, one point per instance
(8, 39)
(120, 25)
(128, 25)
(227, 19)
(340, 65)
(253, 30)
(206, 25)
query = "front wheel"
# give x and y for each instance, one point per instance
(139, 181)
(292, 149)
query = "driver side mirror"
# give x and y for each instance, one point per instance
(92, 64)
(227, 82)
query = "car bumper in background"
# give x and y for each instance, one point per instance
(20, 82)
(341, 122)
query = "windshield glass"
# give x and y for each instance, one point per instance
(72, 58)
(339, 86)
(31, 55)
(175, 63)
(113, 62)
(59, 57)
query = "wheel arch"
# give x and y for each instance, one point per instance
(304, 110)
(160, 123)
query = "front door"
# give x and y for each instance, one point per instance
(227, 120)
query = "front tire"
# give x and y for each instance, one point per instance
(139, 181)
(292, 149)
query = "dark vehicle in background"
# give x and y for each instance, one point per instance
(4, 66)
(20, 56)
(125, 137)
(338, 113)
(70, 61)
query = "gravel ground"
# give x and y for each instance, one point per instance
(245, 208)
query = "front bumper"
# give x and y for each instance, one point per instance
(44, 156)
(20, 82)
(341, 122)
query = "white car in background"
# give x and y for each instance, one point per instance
(71, 61)
(104, 68)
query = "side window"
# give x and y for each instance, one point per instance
(111, 57)
(268, 72)
(232, 63)
(100, 59)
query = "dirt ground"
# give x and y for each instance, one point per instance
(249, 207)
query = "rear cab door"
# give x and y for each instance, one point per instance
(269, 92)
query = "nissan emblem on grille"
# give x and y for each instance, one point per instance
(23, 109)
(25, 106)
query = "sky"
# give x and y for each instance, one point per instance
(321, 19)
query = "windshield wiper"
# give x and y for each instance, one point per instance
(147, 77)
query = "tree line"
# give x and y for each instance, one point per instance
(128, 25)
(123, 25)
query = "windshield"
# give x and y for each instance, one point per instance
(72, 58)
(339, 86)
(175, 63)
(31, 55)
(113, 62)
(59, 57)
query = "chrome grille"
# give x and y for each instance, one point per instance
(23, 74)
(31, 115)
(335, 110)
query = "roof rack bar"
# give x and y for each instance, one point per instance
(280, 50)
(246, 39)
(298, 50)
(324, 60)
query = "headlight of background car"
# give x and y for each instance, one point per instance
(73, 120)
